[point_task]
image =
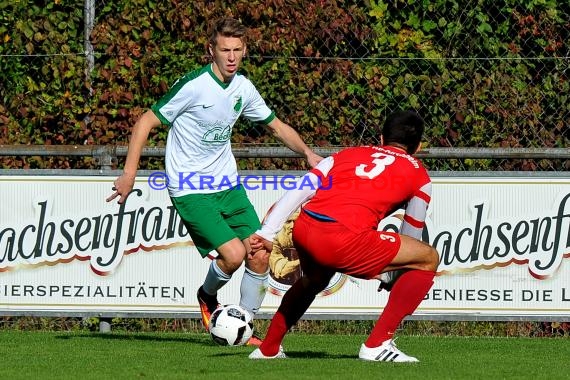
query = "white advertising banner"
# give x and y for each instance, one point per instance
(504, 246)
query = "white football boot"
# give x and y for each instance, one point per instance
(257, 354)
(386, 352)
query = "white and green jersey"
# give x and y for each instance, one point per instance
(201, 111)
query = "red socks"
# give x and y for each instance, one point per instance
(275, 334)
(407, 293)
(293, 305)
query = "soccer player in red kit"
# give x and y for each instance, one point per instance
(343, 199)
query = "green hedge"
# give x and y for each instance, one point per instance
(331, 69)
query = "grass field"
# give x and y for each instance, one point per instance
(84, 355)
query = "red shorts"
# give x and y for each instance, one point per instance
(363, 255)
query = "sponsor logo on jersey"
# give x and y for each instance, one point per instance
(217, 135)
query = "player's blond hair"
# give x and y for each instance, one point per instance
(227, 27)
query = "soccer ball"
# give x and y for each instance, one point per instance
(231, 325)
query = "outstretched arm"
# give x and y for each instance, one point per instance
(286, 134)
(293, 199)
(124, 184)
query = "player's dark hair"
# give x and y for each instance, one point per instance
(403, 128)
(227, 27)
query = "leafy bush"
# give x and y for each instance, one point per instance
(483, 73)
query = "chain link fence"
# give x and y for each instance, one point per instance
(481, 92)
(496, 105)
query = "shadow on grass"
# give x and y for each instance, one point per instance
(317, 355)
(295, 355)
(142, 337)
(228, 354)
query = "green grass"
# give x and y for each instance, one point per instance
(83, 355)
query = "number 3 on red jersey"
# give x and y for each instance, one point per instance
(380, 161)
(390, 238)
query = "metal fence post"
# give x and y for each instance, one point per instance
(89, 14)
(105, 157)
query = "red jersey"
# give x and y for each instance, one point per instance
(365, 184)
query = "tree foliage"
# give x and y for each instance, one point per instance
(483, 73)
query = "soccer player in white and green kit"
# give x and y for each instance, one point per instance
(201, 109)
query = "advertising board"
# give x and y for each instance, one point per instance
(504, 245)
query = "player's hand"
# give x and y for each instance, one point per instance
(257, 243)
(313, 159)
(122, 187)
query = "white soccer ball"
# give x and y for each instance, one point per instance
(231, 325)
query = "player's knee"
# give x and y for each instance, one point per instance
(233, 260)
(432, 259)
(231, 255)
(259, 262)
